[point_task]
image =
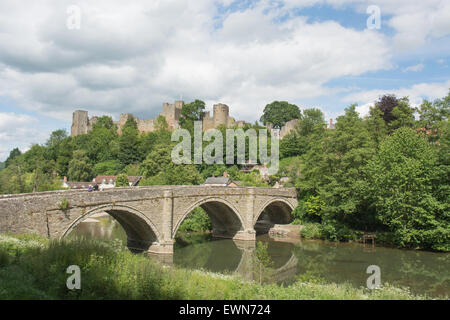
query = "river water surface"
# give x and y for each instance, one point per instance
(423, 272)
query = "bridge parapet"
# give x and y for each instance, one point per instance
(233, 211)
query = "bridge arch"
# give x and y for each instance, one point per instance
(273, 211)
(225, 218)
(141, 231)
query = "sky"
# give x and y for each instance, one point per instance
(112, 56)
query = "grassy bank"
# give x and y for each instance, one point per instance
(35, 268)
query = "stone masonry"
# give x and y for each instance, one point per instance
(82, 124)
(150, 216)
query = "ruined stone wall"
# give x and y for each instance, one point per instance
(81, 124)
(288, 127)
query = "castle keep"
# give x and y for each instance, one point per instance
(82, 124)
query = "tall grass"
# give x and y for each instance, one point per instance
(33, 268)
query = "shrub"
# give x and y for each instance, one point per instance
(312, 231)
(64, 204)
(122, 181)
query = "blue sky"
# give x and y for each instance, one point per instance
(132, 58)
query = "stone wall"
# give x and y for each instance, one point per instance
(150, 215)
(81, 124)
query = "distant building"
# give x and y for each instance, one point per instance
(103, 182)
(331, 125)
(224, 181)
(82, 124)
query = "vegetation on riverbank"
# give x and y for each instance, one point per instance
(385, 173)
(35, 268)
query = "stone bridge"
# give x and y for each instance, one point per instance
(150, 216)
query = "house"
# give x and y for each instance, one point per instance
(263, 170)
(75, 185)
(224, 181)
(103, 182)
(107, 182)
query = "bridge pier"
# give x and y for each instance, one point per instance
(165, 247)
(245, 235)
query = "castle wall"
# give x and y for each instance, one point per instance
(81, 124)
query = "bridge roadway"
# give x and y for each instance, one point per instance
(150, 216)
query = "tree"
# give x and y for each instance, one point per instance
(129, 144)
(280, 112)
(122, 181)
(299, 140)
(386, 104)
(80, 168)
(333, 167)
(400, 186)
(157, 160)
(105, 122)
(431, 114)
(12, 155)
(191, 112)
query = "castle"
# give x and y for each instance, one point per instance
(82, 124)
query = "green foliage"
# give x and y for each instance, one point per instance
(400, 185)
(191, 112)
(129, 144)
(196, 221)
(107, 168)
(280, 112)
(80, 168)
(64, 204)
(312, 231)
(122, 181)
(12, 155)
(157, 161)
(36, 269)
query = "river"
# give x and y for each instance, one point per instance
(421, 271)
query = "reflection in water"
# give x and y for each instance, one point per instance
(423, 272)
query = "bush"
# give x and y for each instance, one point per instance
(197, 221)
(122, 181)
(312, 231)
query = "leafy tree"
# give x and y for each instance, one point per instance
(431, 114)
(80, 168)
(122, 181)
(299, 140)
(191, 112)
(108, 168)
(129, 144)
(386, 104)
(400, 186)
(280, 112)
(333, 169)
(157, 160)
(12, 155)
(105, 122)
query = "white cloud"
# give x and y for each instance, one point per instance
(414, 68)
(131, 58)
(18, 131)
(416, 94)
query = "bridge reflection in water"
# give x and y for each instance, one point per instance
(226, 256)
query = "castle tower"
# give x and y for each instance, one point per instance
(80, 123)
(221, 113)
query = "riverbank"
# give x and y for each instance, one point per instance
(35, 268)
